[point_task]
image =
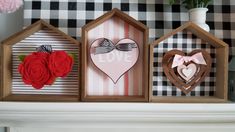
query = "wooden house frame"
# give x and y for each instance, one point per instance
(6, 76)
(91, 25)
(221, 67)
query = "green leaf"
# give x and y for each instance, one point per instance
(73, 55)
(189, 4)
(171, 2)
(21, 57)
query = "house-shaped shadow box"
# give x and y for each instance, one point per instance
(111, 71)
(187, 38)
(24, 43)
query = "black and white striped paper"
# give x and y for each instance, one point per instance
(62, 86)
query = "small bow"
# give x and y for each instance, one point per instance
(44, 48)
(107, 46)
(179, 60)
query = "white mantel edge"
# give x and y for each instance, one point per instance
(17, 114)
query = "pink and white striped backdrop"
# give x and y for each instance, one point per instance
(130, 84)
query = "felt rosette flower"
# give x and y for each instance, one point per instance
(34, 70)
(60, 63)
(44, 66)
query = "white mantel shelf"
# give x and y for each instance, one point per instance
(115, 114)
(90, 117)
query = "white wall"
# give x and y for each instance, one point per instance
(9, 24)
(2, 129)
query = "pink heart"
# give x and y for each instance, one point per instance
(115, 63)
(187, 72)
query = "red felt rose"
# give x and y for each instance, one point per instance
(60, 63)
(34, 70)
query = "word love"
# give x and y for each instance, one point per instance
(115, 56)
(106, 55)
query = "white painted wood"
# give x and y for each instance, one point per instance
(26, 117)
(156, 129)
(110, 117)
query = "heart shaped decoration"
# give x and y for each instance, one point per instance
(189, 70)
(114, 59)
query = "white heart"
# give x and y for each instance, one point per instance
(187, 72)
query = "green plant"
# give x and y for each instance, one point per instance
(189, 4)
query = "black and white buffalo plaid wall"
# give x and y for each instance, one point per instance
(70, 15)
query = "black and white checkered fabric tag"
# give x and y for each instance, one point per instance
(70, 16)
(158, 15)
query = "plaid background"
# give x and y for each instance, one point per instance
(186, 42)
(156, 14)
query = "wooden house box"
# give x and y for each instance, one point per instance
(187, 38)
(115, 26)
(26, 42)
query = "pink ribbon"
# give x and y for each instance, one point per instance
(196, 58)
